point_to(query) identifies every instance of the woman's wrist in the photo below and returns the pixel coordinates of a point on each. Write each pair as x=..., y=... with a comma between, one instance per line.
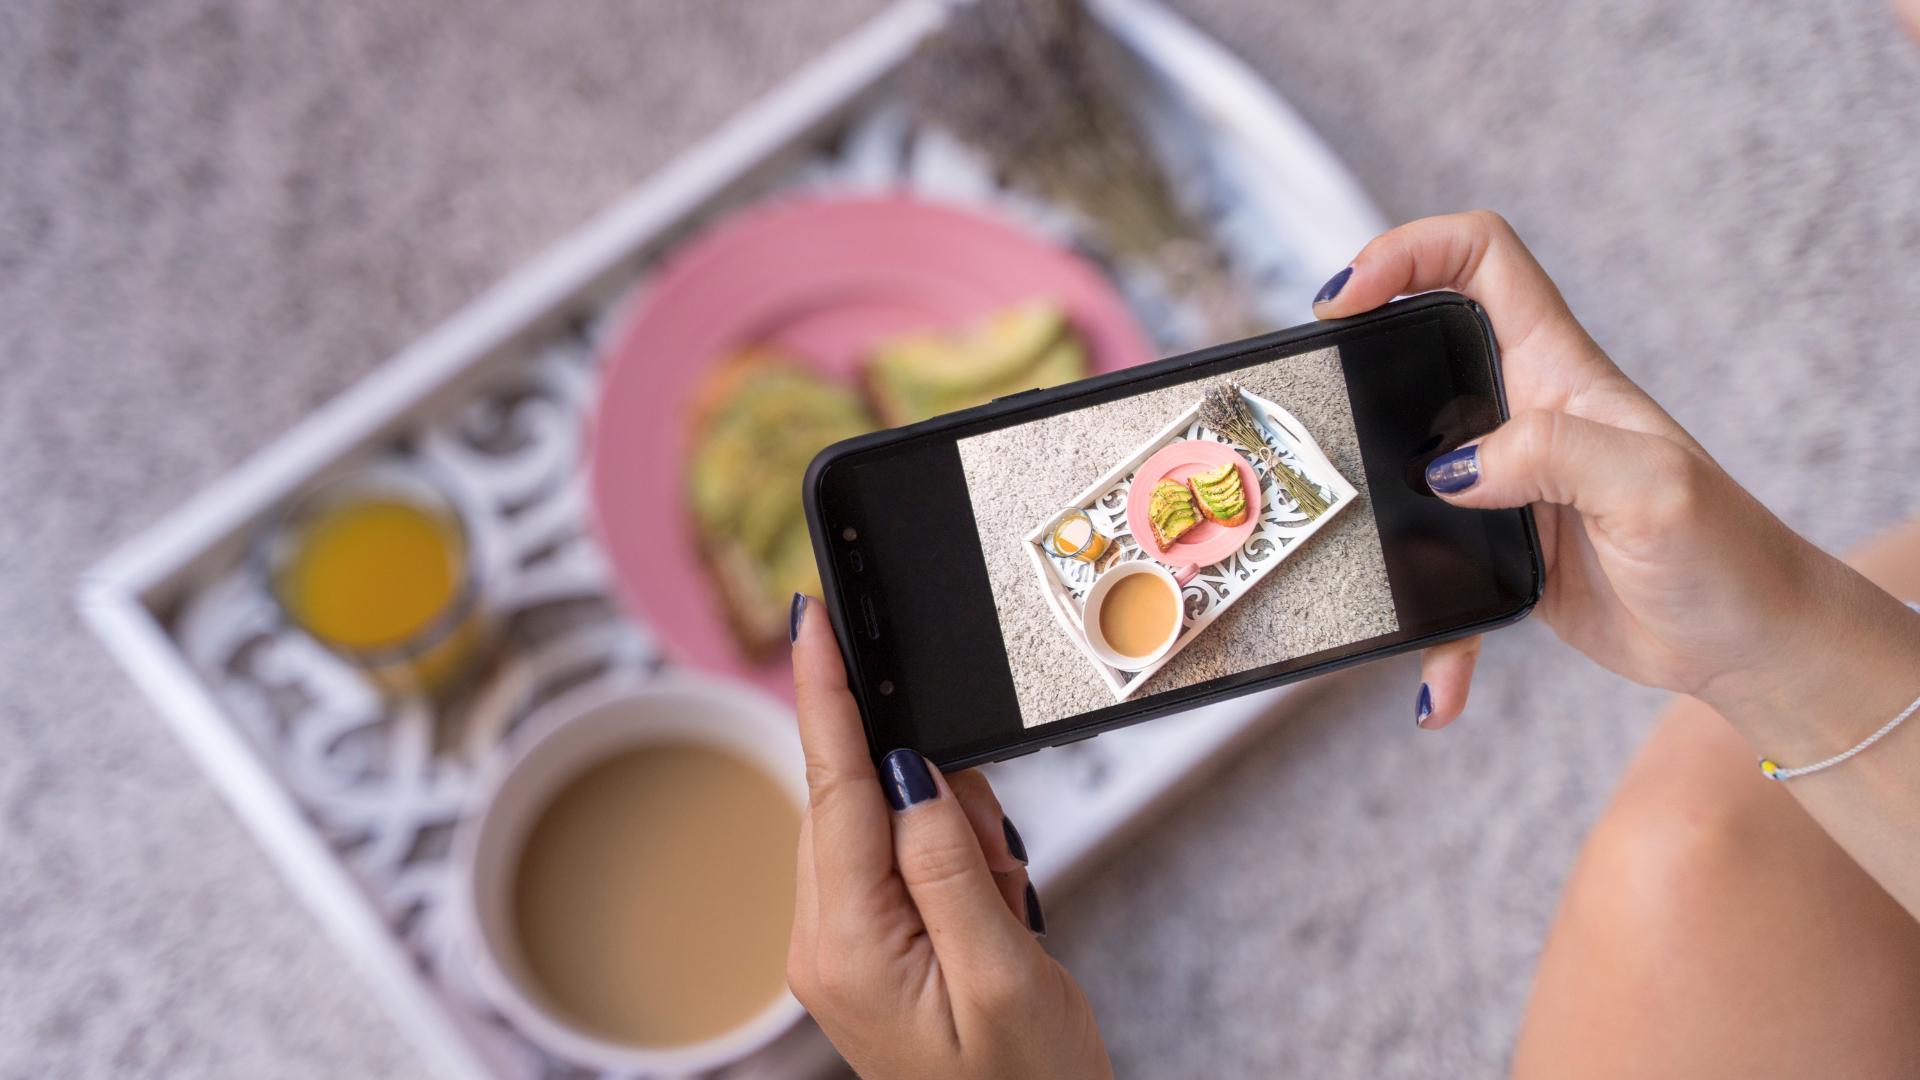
x=1848, y=660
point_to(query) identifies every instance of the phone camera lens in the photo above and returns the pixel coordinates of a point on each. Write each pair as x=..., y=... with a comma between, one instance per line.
x=885, y=688
x=849, y=534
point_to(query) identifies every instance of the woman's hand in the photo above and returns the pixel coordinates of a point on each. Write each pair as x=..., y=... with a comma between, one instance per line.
x=914, y=928
x=1659, y=565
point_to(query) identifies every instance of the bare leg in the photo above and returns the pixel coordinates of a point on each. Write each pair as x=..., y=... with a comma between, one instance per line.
x=1711, y=929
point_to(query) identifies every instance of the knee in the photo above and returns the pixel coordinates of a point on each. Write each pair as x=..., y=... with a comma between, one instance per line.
x=1664, y=860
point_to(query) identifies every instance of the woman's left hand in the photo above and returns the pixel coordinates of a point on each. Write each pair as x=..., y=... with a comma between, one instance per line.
x=915, y=930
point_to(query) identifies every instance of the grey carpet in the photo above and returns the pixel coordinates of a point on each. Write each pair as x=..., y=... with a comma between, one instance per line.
x=215, y=215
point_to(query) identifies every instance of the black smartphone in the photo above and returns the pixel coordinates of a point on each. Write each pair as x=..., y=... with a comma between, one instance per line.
x=963, y=599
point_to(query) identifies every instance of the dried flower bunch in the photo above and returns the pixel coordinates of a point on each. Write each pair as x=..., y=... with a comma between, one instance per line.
x=1225, y=411
x=1039, y=87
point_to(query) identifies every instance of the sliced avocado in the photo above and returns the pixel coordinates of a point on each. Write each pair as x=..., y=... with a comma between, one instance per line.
x=790, y=565
x=1218, y=492
x=1168, y=495
x=772, y=494
x=1005, y=344
x=1220, y=489
x=738, y=459
x=1176, y=525
x=772, y=404
x=1225, y=510
x=1171, y=509
x=777, y=413
x=765, y=511
x=1063, y=363
x=1224, y=480
x=1225, y=506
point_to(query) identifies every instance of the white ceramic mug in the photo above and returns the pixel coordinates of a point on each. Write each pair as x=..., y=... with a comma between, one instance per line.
x=1090, y=615
x=568, y=736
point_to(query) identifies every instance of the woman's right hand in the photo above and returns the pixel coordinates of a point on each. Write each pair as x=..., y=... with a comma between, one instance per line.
x=915, y=931
x=1659, y=565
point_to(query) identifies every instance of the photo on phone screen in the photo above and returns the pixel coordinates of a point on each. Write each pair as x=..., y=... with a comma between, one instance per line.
x=1039, y=570
x=1253, y=577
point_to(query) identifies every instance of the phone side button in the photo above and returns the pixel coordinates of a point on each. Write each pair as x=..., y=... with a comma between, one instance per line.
x=1071, y=739
x=1015, y=394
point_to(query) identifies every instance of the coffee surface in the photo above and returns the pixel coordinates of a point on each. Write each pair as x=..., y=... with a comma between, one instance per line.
x=1137, y=613
x=653, y=898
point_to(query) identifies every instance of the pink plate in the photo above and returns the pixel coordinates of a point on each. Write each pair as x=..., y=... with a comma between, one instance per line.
x=820, y=279
x=1208, y=542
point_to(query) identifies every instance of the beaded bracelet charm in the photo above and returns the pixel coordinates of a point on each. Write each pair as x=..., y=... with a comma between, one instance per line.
x=1773, y=770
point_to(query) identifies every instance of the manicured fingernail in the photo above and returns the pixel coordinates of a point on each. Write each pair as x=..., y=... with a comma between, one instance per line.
x=1455, y=470
x=1036, y=919
x=794, y=615
x=1423, y=706
x=907, y=779
x=1333, y=286
x=1015, y=846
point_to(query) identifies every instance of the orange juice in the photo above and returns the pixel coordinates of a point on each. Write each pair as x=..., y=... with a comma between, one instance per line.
x=372, y=575
x=1074, y=537
x=382, y=577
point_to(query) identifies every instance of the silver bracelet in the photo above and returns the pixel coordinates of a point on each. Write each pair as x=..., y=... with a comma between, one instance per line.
x=1773, y=770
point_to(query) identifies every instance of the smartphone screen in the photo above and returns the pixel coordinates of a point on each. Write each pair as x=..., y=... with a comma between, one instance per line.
x=1038, y=574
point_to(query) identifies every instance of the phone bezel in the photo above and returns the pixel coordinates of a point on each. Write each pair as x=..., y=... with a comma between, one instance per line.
x=1298, y=339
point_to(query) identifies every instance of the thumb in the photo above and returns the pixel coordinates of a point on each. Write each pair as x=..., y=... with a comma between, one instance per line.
x=973, y=933
x=1555, y=457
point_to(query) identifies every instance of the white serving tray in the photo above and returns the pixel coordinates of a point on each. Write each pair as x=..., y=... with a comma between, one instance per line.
x=1282, y=529
x=518, y=359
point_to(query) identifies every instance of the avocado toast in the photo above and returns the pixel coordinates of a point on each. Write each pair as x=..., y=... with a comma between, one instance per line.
x=1171, y=513
x=758, y=419
x=1219, y=495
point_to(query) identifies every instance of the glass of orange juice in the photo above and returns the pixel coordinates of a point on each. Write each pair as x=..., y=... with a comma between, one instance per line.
x=376, y=566
x=1075, y=536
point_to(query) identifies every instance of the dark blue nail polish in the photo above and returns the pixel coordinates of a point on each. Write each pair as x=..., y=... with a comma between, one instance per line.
x=1333, y=286
x=907, y=779
x=794, y=615
x=1455, y=470
x=1015, y=846
x=1036, y=919
x=1423, y=706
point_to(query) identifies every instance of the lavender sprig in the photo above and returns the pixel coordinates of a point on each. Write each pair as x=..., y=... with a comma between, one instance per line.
x=1041, y=89
x=1225, y=411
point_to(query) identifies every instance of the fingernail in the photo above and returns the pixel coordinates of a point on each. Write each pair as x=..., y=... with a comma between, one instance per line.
x=1455, y=470
x=794, y=615
x=908, y=781
x=1036, y=919
x=1333, y=286
x=1015, y=846
x=1423, y=706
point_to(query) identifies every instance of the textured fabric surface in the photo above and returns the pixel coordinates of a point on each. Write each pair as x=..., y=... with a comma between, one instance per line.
x=216, y=214
x=1332, y=592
